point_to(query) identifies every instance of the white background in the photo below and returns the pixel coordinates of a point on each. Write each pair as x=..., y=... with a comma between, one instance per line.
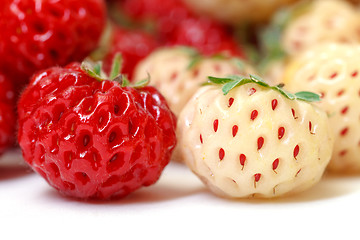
x=178, y=206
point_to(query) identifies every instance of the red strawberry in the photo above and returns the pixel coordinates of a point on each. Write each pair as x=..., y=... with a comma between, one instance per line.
x=165, y=14
x=134, y=45
x=94, y=138
x=177, y=25
x=205, y=35
x=39, y=34
x=7, y=114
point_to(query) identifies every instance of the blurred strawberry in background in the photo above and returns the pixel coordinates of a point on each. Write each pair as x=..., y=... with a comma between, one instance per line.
x=133, y=44
x=7, y=114
x=39, y=34
x=175, y=24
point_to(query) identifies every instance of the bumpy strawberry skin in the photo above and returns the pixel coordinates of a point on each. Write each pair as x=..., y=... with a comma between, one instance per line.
x=7, y=114
x=320, y=21
x=253, y=142
x=40, y=34
x=331, y=69
x=92, y=139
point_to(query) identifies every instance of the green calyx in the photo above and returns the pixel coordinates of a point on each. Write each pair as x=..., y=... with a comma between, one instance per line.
x=196, y=58
x=233, y=81
x=94, y=69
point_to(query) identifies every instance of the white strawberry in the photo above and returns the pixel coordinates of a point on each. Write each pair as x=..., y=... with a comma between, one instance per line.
x=177, y=72
x=322, y=21
x=333, y=70
x=244, y=138
x=303, y=25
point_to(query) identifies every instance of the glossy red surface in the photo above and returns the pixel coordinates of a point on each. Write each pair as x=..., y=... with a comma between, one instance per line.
x=176, y=24
x=7, y=114
x=94, y=139
x=40, y=34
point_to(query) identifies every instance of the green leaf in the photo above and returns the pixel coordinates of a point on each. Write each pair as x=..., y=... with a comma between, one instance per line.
x=216, y=80
x=230, y=85
x=258, y=79
x=97, y=68
x=92, y=69
x=194, y=61
x=142, y=83
x=229, y=82
x=116, y=66
x=284, y=93
x=196, y=57
x=236, y=77
x=122, y=80
x=205, y=83
x=239, y=63
x=218, y=56
x=189, y=50
x=232, y=81
x=307, y=96
x=125, y=81
x=193, y=54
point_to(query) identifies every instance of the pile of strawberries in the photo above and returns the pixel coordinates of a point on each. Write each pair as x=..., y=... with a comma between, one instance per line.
x=101, y=95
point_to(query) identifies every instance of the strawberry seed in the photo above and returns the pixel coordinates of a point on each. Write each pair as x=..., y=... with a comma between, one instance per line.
x=296, y=151
x=251, y=91
x=344, y=110
x=275, y=164
x=216, y=124
x=234, y=130
x=260, y=143
x=281, y=132
x=231, y=101
x=274, y=103
x=242, y=159
x=221, y=154
x=344, y=131
x=254, y=114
